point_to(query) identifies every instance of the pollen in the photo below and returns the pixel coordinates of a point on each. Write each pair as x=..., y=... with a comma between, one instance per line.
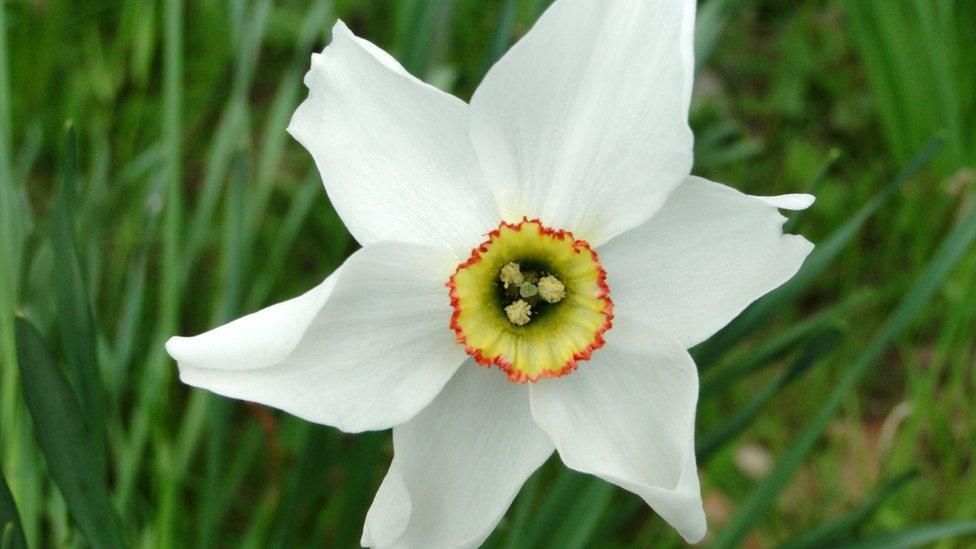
x=531, y=300
x=519, y=312
x=551, y=289
x=511, y=274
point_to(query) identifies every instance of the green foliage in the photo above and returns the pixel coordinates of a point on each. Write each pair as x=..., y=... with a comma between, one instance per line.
x=920, y=68
x=830, y=533
x=918, y=536
x=11, y=529
x=75, y=323
x=176, y=201
x=65, y=439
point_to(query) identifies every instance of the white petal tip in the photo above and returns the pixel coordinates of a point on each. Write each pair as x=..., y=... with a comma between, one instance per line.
x=177, y=347
x=341, y=27
x=794, y=202
x=696, y=533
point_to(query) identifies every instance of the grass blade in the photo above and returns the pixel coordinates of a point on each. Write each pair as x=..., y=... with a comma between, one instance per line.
x=12, y=529
x=501, y=39
x=823, y=256
x=913, y=537
x=67, y=446
x=315, y=454
x=561, y=501
x=580, y=522
x=952, y=249
x=831, y=533
x=716, y=439
x=818, y=179
x=715, y=380
x=75, y=323
x=157, y=371
x=520, y=512
x=712, y=18
x=287, y=233
x=9, y=259
x=318, y=18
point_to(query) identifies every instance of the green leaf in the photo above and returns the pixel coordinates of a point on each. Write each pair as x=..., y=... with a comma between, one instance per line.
x=913, y=537
x=797, y=217
x=319, y=17
x=218, y=419
x=952, y=249
x=712, y=18
x=716, y=439
x=10, y=246
x=64, y=440
x=75, y=323
x=520, y=513
x=830, y=533
x=424, y=29
x=567, y=497
x=578, y=524
x=816, y=264
x=12, y=529
x=314, y=456
x=779, y=344
x=502, y=37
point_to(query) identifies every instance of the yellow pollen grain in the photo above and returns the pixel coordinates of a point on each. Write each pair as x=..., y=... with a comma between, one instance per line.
x=511, y=274
x=519, y=313
x=551, y=289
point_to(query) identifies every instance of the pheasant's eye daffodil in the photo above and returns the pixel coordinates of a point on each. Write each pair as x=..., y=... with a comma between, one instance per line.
x=534, y=267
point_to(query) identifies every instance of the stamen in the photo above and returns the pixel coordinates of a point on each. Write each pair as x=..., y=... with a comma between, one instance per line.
x=519, y=313
x=511, y=274
x=551, y=289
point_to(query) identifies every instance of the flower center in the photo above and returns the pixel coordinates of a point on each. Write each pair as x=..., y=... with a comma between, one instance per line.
x=531, y=300
x=528, y=291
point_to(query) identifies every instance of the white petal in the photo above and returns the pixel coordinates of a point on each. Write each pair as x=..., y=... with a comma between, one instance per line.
x=255, y=341
x=389, y=515
x=393, y=151
x=794, y=202
x=372, y=356
x=583, y=123
x=458, y=465
x=628, y=417
x=709, y=253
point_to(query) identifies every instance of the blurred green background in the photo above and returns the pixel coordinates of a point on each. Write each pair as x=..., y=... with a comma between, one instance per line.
x=839, y=409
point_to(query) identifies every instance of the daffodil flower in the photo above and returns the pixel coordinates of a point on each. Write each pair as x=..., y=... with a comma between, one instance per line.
x=534, y=267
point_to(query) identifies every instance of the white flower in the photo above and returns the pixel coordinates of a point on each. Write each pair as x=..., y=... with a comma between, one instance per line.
x=508, y=225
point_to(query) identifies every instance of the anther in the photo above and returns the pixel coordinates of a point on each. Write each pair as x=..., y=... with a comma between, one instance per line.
x=511, y=274
x=519, y=313
x=551, y=289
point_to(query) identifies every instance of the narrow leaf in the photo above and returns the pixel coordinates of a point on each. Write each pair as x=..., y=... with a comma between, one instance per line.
x=818, y=179
x=314, y=456
x=952, y=249
x=913, y=537
x=520, y=512
x=779, y=344
x=75, y=323
x=65, y=441
x=712, y=18
x=724, y=433
x=579, y=523
x=832, y=532
x=561, y=501
x=12, y=529
x=823, y=256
